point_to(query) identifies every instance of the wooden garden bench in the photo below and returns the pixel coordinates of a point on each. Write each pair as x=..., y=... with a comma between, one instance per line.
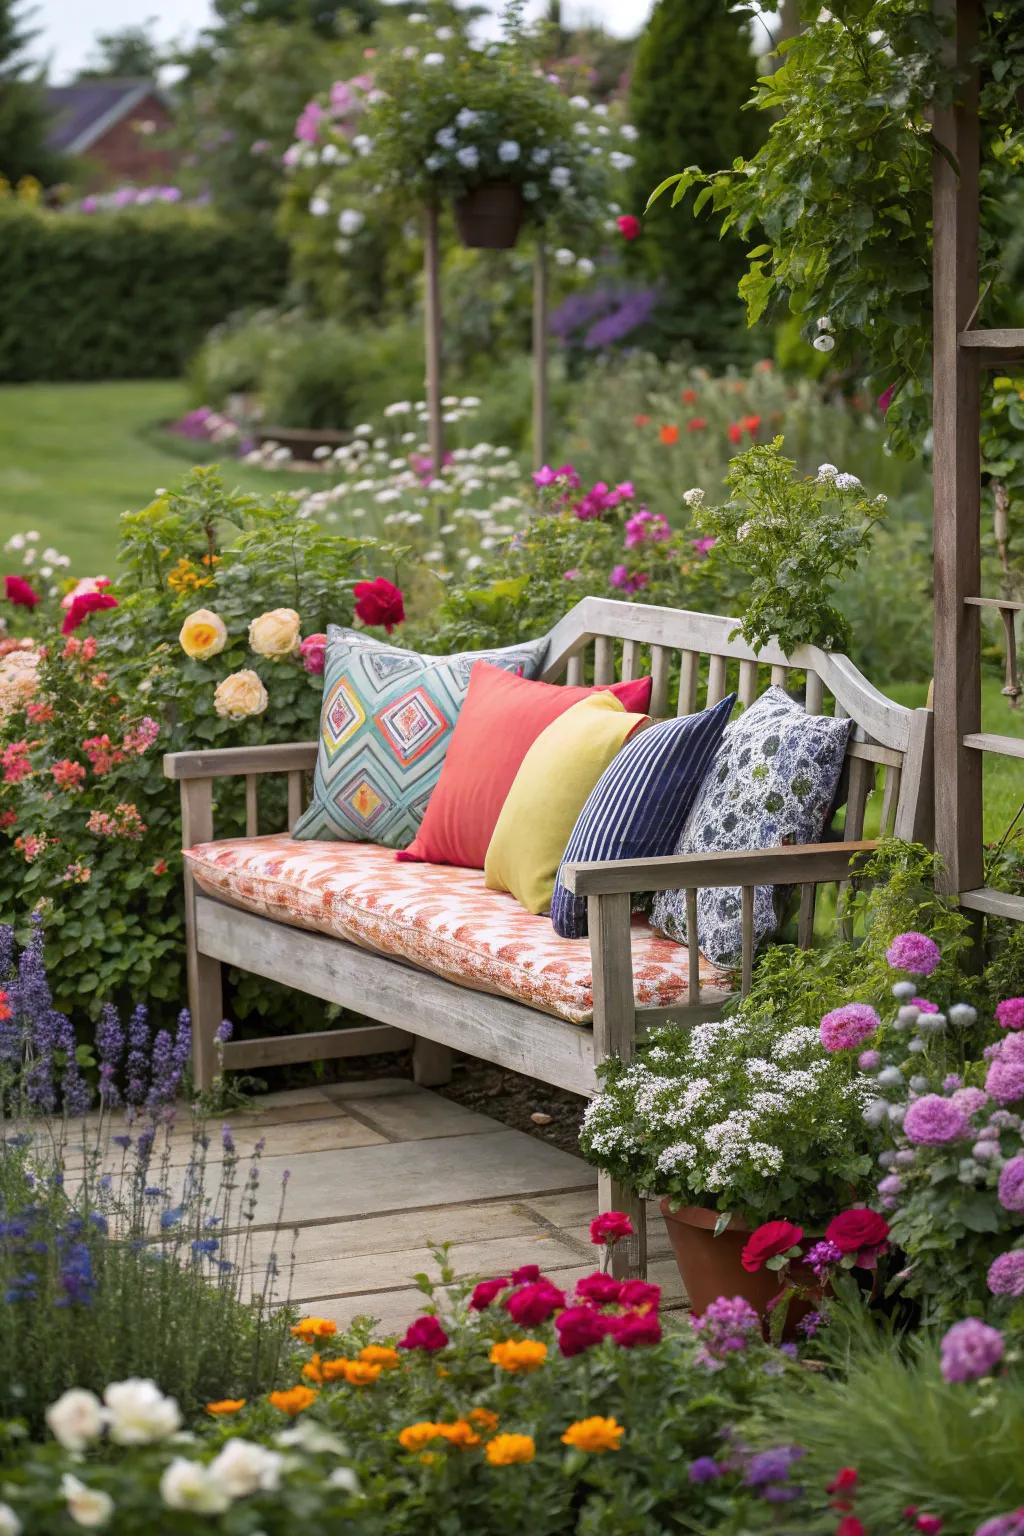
x=599, y=640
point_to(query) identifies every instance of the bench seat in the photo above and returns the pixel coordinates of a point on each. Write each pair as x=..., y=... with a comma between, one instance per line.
x=440, y=918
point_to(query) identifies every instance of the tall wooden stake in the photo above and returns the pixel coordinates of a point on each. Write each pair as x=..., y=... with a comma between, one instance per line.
x=957, y=464
x=432, y=322
x=540, y=356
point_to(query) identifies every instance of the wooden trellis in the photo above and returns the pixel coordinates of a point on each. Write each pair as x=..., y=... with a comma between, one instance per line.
x=962, y=351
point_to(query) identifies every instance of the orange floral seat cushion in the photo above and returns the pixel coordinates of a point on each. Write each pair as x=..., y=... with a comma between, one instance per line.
x=439, y=917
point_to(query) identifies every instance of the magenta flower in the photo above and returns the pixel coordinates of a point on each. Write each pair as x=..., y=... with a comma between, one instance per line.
x=307, y=127
x=913, y=952
x=1006, y=1274
x=704, y=546
x=313, y=650
x=544, y=476
x=970, y=1100
x=1011, y=1185
x=869, y=1061
x=933, y=1121
x=1010, y=1013
x=970, y=1349
x=572, y=575
x=923, y=1005
x=1010, y=1524
x=885, y=399
x=625, y=581
x=845, y=1028
x=1005, y=1078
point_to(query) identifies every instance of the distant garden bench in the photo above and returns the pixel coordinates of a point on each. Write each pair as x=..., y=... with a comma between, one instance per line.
x=597, y=641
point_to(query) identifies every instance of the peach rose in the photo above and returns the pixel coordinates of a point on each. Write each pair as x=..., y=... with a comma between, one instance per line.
x=240, y=695
x=275, y=634
x=203, y=634
x=19, y=680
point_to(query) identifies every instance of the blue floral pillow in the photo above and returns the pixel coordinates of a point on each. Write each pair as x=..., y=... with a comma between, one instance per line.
x=774, y=781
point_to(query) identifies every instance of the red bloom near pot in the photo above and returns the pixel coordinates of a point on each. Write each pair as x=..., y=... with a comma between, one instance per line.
x=712, y=1266
x=490, y=217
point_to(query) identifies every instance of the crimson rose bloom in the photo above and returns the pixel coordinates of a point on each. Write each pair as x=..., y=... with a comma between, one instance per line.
x=629, y=226
x=18, y=592
x=379, y=602
x=770, y=1239
x=854, y=1230
x=579, y=1329
x=635, y=1328
x=486, y=1291
x=526, y=1274
x=609, y=1227
x=599, y=1288
x=641, y=1295
x=534, y=1304
x=425, y=1333
x=86, y=603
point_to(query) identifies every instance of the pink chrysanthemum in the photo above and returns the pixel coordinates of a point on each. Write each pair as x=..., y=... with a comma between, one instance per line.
x=1006, y=1274
x=1010, y=1013
x=1005, y=1079
x=934, y=1121
x=970, y=1349
x=1011, y=1185
x=845, y=1028
x=913, y=952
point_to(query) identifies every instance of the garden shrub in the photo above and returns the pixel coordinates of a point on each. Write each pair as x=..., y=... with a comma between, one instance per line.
x=123, y=295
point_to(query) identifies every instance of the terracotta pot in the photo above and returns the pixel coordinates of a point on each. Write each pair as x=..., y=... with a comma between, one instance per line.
x=490, y=217
x=710, y=1266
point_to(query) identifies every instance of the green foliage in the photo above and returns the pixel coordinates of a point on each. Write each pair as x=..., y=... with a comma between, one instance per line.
x=693, y=72
x=791, y=538
x=127, y=52
x=24, y=120
x=123, y=295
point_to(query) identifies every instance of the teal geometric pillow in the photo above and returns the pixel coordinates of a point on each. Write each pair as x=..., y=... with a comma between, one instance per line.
x=385, y=723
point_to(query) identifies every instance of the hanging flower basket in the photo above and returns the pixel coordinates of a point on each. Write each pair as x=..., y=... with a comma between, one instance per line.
x=490, y=217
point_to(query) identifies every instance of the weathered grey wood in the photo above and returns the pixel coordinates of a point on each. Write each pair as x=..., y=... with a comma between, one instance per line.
x=1003, y=604
x=660, y=655
x=890, y=800
x=746, y=938
x=688, y=683
x=915, y=813
x=252, y=806
x=805, y=921
x=989, y=741
x=779, y=675
x=296, y=796
x=540, y=355
x=993, y=349
x=228, y=762
x=995, y=903
x=716, y=680
x=790, y=865
x=318, y=1045
x=748, y=683
x=861, y=781
x=205, y=987
x=871, y=752
x=574, y=670
x=630, y=659
x=432, y=333
x=382, y=988
x=692, y=948
x=814, y=695
x=604, y=659
x=956, y=420
x=431, y=1063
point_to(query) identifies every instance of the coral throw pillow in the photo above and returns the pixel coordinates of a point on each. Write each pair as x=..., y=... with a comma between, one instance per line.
x=501, y=719
x=385, y=723
x=548, y=793
x=637, y=808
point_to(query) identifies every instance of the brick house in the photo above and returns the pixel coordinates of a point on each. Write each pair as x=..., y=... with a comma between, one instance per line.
x=118, y=127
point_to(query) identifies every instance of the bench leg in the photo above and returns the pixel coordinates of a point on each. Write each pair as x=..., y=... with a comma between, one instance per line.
x=431, y=1063
x=206, y=1004
x=629, y=1256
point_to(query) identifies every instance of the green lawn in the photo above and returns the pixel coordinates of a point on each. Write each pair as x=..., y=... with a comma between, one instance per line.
x=73, y=457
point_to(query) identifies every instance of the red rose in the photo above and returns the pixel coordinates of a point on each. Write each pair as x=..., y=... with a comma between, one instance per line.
x=931, y=1525
x=579, y=1329
x=735, y=432
x=751, y=424
x=485, y=1292
x=534, y=1304
x=629, y=226
x=18, y=592
x=844, y=1480
x=526, y=1274
x=849, y=1525
x=860, y=1228
x=84, y=604
x=640, y=1295
x=379, y=602
x=425, y=1333
x=599, y=1288
x=770, y=1239
x=696, y=424
x=636, y=1328
x=609, y=1227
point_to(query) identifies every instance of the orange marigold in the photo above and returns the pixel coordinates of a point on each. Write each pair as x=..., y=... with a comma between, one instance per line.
x=360, y=1373
x=507, y=1450
x=519, y=1354
x=460, y=1433
x=313, y=1370
x=380, y=1354
x=483, y=1418
x=669, y=435
x=415, y=1436
x=292, y=1401
x=595, y=1435
x=225, y=1406
x=309, y=1328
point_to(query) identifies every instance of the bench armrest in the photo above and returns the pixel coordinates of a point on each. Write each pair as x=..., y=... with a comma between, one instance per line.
x=794, y=864
x=229, y=762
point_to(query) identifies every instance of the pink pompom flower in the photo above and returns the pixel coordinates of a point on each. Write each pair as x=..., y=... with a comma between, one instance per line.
x=845, y=1028
x=933, y=1121
x=1010, y=1013
x=913, y=952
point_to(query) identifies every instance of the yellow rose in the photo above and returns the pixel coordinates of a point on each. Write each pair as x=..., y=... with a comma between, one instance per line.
x=240, y=695
x=203, y=634
x=276, y=633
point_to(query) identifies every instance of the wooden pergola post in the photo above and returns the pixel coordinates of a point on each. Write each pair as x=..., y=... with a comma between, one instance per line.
x=432, y=325
x=540, y=355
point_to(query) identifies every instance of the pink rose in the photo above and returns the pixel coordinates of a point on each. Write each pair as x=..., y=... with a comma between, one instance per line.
x=313, y=650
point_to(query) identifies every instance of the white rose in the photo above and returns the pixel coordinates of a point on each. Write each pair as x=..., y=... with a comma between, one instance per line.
x=585, y=267
x=10, y=1525
x=189, y=1485
x=344, y=1477
x=318, y=206
x=86, y=1506
x=275, y=634
x=508, y=151
x=351, y=221
x=75, y=1419
x=243, y=1467
x=138, y=1412
x=561, y=177
x=433, y=59
x=564, y=257
x=240, y=696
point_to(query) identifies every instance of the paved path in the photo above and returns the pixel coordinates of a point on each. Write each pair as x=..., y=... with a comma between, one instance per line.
x=381, y=1170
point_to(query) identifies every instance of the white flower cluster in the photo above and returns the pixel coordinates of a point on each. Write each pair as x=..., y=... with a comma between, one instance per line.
x=47, y=563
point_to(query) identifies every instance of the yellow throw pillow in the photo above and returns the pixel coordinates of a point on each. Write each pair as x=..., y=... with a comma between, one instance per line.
x=547, y=795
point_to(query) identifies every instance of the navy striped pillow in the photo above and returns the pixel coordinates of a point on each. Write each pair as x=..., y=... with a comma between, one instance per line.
x=637, y=807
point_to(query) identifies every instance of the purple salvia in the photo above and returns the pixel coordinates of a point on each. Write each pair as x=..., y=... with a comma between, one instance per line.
x=227, y=1141
x=74, y=1088
x=137, y=1065
x=6, y=950
x=183, y=1042
x=225, y=1029
x=109, y=1049
x=163, y=1081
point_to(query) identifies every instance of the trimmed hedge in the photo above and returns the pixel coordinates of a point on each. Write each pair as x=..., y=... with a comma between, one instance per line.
x=124, y=295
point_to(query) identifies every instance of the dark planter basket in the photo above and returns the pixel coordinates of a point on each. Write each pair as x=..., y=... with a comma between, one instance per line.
x=490, y=217
x=710, y=1266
